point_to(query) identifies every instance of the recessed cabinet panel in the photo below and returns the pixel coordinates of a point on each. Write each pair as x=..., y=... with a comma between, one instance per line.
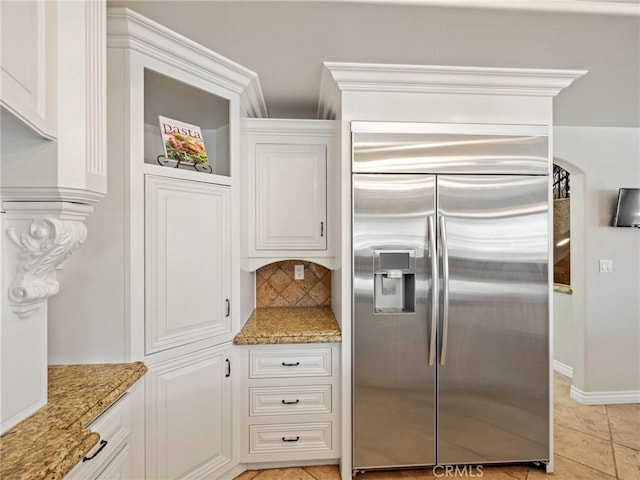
x=291, y=205
x=187, y=262
x=28, y=75
x=188, y=424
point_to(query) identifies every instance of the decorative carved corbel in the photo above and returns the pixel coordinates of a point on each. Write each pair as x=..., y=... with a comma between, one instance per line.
x=49, y=242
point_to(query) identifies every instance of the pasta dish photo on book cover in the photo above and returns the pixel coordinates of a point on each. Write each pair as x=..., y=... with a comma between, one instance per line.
x=182, y=142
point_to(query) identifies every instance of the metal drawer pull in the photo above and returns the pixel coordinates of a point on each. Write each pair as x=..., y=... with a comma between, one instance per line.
x=228, y=305
x=286, y=402
x=284, y=364
x=285, y=439
x=103, y=443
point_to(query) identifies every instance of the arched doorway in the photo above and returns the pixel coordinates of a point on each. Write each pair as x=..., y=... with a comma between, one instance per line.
x=569, y=298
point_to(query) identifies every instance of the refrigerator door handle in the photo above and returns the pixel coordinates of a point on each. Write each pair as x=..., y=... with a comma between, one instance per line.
x=445, y=289
x=434, y=289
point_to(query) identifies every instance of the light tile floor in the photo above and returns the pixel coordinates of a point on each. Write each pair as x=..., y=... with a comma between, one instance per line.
x=599, y=442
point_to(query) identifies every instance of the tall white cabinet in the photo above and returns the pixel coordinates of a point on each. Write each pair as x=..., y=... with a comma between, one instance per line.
x=164, y=248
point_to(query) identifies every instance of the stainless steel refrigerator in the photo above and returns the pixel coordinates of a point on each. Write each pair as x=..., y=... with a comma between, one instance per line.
x=450, y=294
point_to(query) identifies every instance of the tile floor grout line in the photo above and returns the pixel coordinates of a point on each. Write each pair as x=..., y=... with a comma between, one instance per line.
x=613, y=450
x=307, y=471
x=587, y=466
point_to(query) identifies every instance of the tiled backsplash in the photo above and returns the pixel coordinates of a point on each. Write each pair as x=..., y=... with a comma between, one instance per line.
x=276, y=287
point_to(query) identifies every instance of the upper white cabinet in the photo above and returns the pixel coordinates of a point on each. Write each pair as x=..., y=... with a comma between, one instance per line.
x=287, y=192
x=28, y=30
x=187, y=267
x=291, y=196
x=53, y=136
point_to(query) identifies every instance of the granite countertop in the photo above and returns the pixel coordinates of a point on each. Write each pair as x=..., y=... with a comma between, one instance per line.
x=269, y=325
x=49, y=443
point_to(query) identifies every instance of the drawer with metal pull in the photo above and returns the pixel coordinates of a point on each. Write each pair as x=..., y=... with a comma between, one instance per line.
x=294, y=437
x=289, y=363
x=289, y=400
x=113, y=426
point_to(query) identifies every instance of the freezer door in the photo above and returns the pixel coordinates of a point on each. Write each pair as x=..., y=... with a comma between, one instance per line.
x=493, y=372
x=393, y=383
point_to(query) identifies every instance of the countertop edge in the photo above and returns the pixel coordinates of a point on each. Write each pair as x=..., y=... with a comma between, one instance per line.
x=112, y=396
x=289, y=339
x=74, y=440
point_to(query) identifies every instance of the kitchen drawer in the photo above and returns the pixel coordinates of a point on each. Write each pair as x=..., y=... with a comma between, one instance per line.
x=293, y=437
x=289, y=400
x=290, y=363
x=113, y=426
x=117, y=468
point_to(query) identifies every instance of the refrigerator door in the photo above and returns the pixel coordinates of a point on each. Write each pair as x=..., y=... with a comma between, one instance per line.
x=394, y=259
x=493, y=362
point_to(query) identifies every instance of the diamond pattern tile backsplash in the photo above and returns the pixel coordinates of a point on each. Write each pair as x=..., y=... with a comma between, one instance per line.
x=276, y=287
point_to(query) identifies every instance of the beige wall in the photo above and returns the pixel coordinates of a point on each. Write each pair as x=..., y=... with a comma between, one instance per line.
x=604, y=346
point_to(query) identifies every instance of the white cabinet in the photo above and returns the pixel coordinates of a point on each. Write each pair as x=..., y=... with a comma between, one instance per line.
x=118, y=452
x=288, y=192
x=290, y=403
x=291, y=196
x=29, y=71
x=189, y=433
x=163, y=247
x=188, y=266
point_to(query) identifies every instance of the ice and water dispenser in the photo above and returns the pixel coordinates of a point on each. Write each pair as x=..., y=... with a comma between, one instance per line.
x=395, y=282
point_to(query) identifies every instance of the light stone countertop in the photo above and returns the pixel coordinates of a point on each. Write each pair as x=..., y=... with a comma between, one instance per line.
x=49, y=443
x=276, y=325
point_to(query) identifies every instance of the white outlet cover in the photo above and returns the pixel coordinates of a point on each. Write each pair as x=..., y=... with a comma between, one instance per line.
x=606, y=266
x=298, y=272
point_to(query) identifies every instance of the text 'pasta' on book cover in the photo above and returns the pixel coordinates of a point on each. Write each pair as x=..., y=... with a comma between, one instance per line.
x=182, y=141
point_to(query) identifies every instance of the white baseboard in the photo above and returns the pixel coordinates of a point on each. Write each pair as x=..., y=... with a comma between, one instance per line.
x=604, y=398
x=563, y=368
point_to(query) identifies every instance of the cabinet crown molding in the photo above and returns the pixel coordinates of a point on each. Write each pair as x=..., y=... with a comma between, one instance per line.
x=43, y=195
x=128, y=29
x=434, y=79
x=371, y=77
x=288, y=127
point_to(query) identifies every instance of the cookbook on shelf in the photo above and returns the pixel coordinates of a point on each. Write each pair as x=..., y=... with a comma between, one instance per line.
x=182, y=142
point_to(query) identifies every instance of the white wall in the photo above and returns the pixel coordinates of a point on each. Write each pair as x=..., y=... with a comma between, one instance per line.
x=607, y=337
x=564, y=330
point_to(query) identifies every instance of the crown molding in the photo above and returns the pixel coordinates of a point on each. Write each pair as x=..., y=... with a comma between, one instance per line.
x=370, y=77
x=605, y=7
x=289, y=127
x=128, y=29
x=50, y=194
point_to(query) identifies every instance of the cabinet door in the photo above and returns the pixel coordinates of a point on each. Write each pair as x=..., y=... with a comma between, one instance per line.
x=189, y=416
x=187, y=262
x=28, y=70
x=291, y=204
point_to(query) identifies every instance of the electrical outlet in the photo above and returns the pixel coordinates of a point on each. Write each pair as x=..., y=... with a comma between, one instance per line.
x=298, y=272
x=606, y=266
